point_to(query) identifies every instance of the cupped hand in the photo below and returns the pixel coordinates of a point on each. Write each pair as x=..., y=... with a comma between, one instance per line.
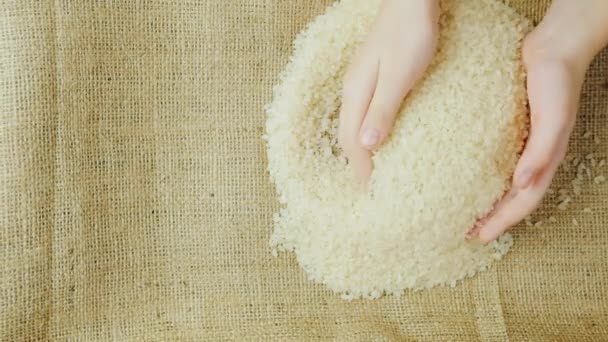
x=398, y=50
x=556, y=56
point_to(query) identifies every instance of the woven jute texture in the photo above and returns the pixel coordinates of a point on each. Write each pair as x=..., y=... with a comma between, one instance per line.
x=135, y=205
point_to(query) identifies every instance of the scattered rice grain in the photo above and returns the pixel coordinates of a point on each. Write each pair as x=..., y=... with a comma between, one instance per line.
x=563, y=205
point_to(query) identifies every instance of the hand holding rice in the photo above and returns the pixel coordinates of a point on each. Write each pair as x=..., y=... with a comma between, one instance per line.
x=454, y=147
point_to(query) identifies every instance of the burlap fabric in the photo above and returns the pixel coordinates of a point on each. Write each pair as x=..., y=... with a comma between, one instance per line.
x=134, y=202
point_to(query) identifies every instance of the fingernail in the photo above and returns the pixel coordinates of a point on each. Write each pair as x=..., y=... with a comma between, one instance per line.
x=473, y=231
x=525, y=179
x=370, y=137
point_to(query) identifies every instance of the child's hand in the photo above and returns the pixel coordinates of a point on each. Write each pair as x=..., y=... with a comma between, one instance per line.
x=556, y=56
x=396, y=54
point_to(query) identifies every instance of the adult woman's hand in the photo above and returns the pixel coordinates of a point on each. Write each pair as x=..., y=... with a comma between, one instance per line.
x=556, y=56
x=396, y=54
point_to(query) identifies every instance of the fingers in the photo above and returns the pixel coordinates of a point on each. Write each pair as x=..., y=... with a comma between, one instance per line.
x=358, y=89
x=556, y=64
x=553, y=94
x=516, y=205
x=393, y=84
x=553, y=108
x=398, y=49
x=372, y=96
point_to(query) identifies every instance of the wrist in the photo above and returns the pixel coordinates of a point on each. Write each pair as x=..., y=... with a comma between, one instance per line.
x=574, y=30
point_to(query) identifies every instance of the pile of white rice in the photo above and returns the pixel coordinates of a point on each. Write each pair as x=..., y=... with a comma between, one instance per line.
x=450, y=157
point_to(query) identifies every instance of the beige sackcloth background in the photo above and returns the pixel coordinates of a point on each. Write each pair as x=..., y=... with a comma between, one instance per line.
x=135, y=205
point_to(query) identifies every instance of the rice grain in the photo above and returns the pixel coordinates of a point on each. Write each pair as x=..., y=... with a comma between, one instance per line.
x=449, y=158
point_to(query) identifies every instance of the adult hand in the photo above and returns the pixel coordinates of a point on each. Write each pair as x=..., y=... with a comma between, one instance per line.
x=556, y=56
x=394, y=57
